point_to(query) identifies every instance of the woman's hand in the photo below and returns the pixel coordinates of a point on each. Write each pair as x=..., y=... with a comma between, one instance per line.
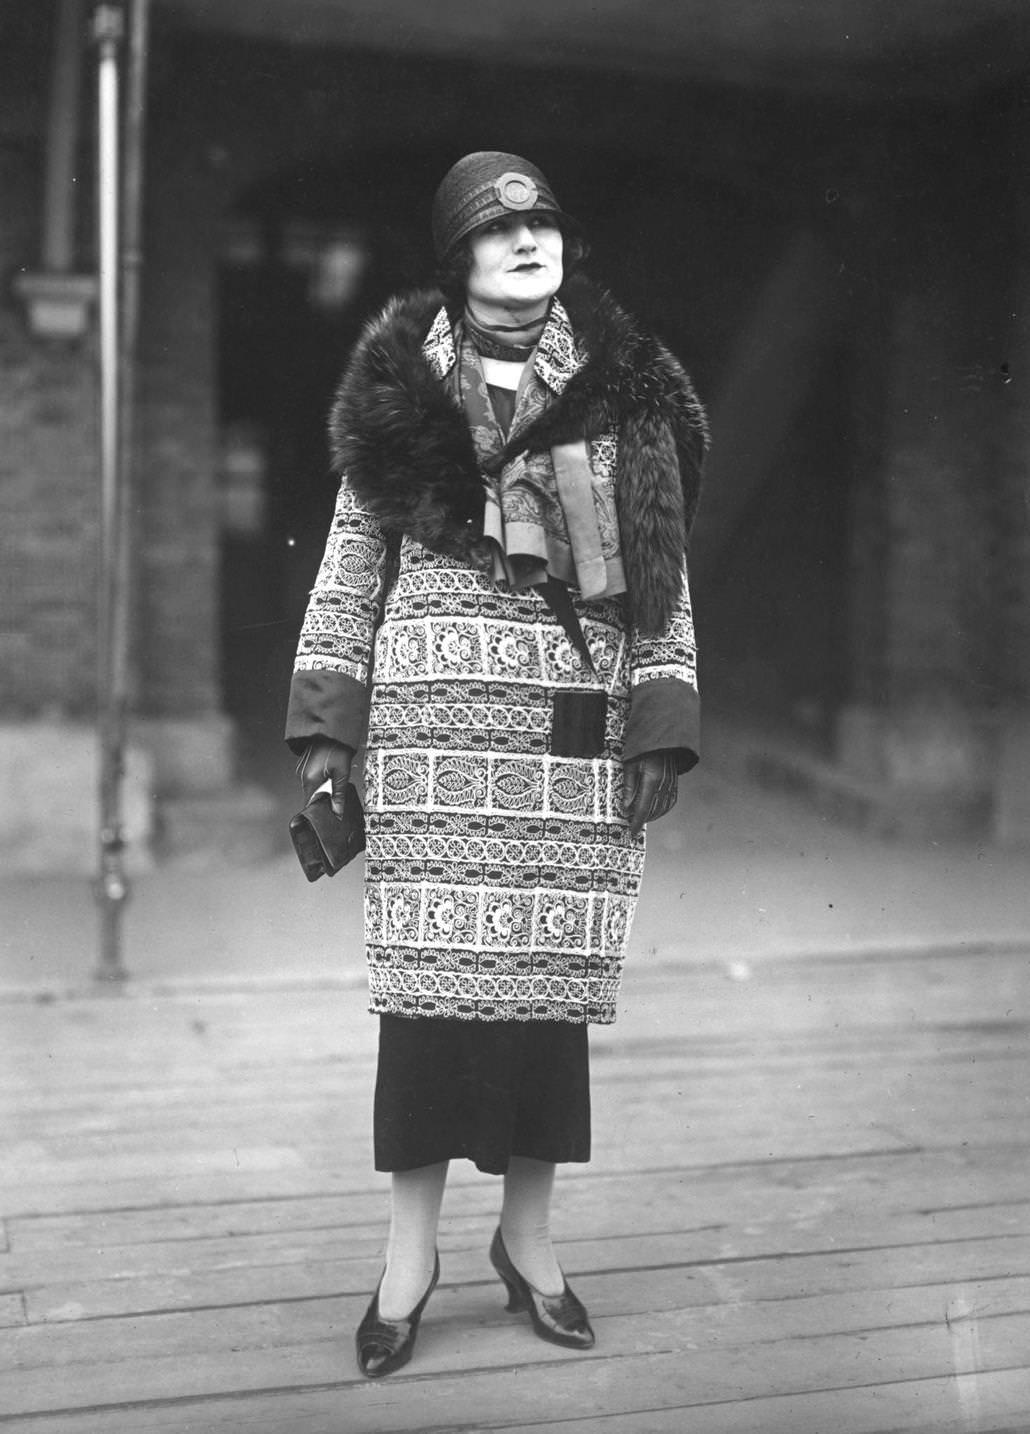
x=326, y=760
x=650, y=788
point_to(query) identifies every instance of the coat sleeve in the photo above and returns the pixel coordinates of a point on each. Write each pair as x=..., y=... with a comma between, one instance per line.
x=332, y=672
x=664, y=712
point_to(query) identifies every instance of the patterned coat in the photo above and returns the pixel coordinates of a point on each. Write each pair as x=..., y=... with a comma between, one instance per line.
x=500, y=882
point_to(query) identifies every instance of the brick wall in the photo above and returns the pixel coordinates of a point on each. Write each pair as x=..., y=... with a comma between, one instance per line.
x=945, y=408
x=48, y=474
x=1013, y=516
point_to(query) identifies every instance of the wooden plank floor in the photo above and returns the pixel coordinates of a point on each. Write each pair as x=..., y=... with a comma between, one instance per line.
x=807, y=1213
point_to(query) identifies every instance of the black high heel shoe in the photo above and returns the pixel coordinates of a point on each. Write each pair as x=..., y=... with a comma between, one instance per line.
x=562, y=1319
x=386, y=1344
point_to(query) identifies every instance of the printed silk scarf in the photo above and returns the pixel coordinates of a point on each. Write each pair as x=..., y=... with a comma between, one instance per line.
x=546, y=512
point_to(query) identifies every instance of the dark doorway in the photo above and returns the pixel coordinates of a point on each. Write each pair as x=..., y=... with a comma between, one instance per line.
x=306, y=257
x=776, y=619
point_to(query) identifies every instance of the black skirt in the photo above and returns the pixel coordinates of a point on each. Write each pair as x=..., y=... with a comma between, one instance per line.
x=480, y=1090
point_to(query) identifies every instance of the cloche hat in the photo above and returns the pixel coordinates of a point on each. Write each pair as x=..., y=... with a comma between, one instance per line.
x=488, y=185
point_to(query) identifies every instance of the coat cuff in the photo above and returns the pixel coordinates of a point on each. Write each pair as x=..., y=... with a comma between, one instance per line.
x=326, y=704
x=664, y=715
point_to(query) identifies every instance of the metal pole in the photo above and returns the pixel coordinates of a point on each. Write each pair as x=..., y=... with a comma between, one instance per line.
x=132, y=247
x=112, y=886
x=131, y=271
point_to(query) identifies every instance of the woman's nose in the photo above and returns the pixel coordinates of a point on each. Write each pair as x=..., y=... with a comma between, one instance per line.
x=524, y=237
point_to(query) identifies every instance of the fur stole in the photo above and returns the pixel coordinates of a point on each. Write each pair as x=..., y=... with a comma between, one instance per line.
x=407, y=452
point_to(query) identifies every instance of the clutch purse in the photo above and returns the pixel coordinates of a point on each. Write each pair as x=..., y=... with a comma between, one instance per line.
x=323, y=841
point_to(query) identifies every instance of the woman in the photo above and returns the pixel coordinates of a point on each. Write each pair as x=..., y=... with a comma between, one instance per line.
x=503, y=599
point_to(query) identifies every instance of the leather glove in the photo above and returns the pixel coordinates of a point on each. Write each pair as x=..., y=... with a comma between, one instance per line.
x=650, y=788
x=325, y=759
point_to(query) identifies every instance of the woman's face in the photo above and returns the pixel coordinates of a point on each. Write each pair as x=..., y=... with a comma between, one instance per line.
x=516, y=261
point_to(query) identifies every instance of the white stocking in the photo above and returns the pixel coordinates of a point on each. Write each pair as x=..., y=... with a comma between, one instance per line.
x=526, y=1223
x=415, y=1200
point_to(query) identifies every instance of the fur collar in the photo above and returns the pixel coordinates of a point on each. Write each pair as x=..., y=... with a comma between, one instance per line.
x=408, y=454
